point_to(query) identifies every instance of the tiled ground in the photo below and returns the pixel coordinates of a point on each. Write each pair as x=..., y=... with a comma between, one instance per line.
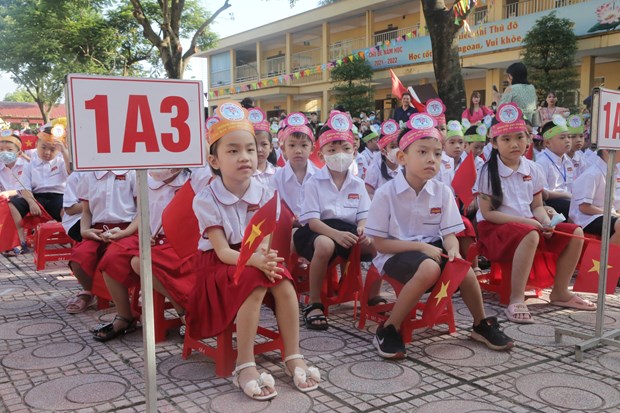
x=49, y=362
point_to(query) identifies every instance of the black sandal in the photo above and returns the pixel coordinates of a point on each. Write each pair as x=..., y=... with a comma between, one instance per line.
x=377, y=300
x=107, y=332
x=310, y=321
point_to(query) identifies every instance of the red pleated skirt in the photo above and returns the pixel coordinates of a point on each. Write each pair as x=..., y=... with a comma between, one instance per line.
x=216, y=300
x=469, y=231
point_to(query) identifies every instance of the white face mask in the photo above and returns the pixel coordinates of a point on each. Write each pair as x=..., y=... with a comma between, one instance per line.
x=7, y=157
x=339, y=162
x=391, y=155
x=161, y=174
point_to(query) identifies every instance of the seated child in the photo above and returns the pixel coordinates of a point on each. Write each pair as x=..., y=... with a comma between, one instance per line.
x=411, y=218
x=333, y=213
x=556, y=164
x=12, y=164
x=371, y=142
x=513, y=223
x=475, y=137
x=43, y=180
x=586, y=207
x=224, y=208
x=108, y=209
x=72, y=208
x=387, y=168
x=265, y=170
x=575, y=133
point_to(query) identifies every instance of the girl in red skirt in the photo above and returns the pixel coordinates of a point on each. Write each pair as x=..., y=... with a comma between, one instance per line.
x=173, y=276
x=224, y=208
x=513, y=223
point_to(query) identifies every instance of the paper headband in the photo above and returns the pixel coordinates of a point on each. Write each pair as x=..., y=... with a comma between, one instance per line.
x=389, y=133
x=559, y=127
x=296, y=123
x=259, y=120
x=575, y=125
x=510, y=120
x=479, y=136
x=436, y=109
x=340, y=129
x=454, y=129
x=229, y=117
x=420, y=125
x=9, y=136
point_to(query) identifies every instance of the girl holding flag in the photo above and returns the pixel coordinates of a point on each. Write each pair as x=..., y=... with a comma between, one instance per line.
x=224, y=209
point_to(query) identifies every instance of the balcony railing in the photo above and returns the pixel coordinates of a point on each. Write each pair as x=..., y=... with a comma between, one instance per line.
x=220, y=78
x=315, y=77
x=477, y=17
x=393, y=34
x=344, y=48
x=304, y=60
x=246, y=73
x=523, y=7
x=274, y=66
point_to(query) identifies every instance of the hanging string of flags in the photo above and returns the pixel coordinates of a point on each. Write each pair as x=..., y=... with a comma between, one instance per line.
x=285, y=79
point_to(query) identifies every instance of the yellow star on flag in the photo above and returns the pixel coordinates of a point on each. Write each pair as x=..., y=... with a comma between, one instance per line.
x=256, y=231
x=443, y=292
x=596, y=267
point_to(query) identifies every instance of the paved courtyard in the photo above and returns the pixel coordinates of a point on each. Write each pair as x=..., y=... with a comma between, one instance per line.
x=49, y=362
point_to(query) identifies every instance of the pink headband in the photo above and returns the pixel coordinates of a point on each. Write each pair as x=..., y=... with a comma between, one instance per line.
x=437, y=109
x=333, y=136
x=259, y=120
x=296, y=123
x=510, y=120
x=420, y=125
x=389, y=133
x=340, y=129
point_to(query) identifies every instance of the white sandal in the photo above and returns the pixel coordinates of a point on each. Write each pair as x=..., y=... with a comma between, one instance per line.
x=301, y=376
x=253, y=388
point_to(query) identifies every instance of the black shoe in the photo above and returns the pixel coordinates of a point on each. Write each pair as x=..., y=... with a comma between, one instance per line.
x=389, y=343
x=488, y=332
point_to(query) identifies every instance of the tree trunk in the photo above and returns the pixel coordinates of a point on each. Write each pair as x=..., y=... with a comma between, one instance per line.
x=45, y=113
x=446, y=59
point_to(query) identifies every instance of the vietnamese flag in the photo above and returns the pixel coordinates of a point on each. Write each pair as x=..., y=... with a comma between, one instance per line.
x=31, y=221
x=464, y=180
x=314, y=157
x=28, y=141
x=451, y=277
x=180, y=223
x=8, y=231
x=529, y=154
x=589, y=270
x=281, y=162
x=397, y=87
x=262, y=223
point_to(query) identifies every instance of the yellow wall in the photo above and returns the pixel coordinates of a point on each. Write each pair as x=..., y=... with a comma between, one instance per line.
x=408, y=21
x=611, y=73
x=359, y=31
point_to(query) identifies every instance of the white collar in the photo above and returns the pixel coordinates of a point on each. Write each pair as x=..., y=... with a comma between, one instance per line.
x=177, y=182
x=100, y=174
x=505, y=172
x=289, y=174
x=252, y=196
x=555, y=158
x=401, y=185
x=324, y=174
x=269, y=170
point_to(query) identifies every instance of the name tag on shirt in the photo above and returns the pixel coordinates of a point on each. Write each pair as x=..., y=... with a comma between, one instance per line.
x=436, y=210
x=354, y=196
x=252, y=208
x=120, y=178
x=527, y=178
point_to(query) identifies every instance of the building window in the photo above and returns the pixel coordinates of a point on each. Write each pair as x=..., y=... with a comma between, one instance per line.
x=220, y=70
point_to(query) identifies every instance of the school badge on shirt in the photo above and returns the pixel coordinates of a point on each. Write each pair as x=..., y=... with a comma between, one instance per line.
x=436, y=210
x=353, y=196
x=527, y=178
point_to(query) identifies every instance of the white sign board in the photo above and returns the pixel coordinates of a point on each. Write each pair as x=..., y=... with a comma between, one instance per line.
x=608, y=129
x=133, y=123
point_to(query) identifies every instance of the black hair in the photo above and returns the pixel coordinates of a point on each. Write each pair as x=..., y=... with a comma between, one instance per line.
x=213, y=151
x=548, y=125
x=492, y=169
x=272, y=158
x=384, y=171
x=551, y=92
x=301, y=135
x=340, y=108
x=518, y=71
x=405, y=94
x=247, y=103
x=472, y=130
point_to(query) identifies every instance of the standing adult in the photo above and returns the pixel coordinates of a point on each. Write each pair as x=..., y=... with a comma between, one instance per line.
x=25, y=127
x=403, y=112
x=519, y=91
x=549, y=109
x=475, y=112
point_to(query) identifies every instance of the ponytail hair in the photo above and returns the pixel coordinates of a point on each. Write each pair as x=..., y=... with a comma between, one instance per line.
x=497, y=196
x=384, y=171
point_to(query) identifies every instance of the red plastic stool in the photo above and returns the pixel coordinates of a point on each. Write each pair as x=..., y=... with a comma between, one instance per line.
x=160, y=305
x=50, y=233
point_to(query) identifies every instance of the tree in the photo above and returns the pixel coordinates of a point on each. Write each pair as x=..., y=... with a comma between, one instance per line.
x=443, y=29
x=353, y=89
x=549, y=54
x=19, y=95
x=166, y=22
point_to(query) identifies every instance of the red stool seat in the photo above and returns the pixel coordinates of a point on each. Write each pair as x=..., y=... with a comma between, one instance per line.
x=160, y=306
x=46, y=234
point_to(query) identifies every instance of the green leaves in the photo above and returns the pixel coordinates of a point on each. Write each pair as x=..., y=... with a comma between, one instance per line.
x=353, y=89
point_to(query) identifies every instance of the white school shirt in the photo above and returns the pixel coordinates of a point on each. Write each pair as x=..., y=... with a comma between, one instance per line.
x=398, y=212
x=486, y=151
x=200, y=177
x=10, y=177
x=518, y=187
x=579, y=164
x=160, y=195
x=323, y=200
x=589, y=188
x=558, y=171
x=215, y=206
x=267, y=175
x=45, y=176
x=446, y=170
x=289, y=188
x=69, y=199
x=371, y=156
x=375, y=179
x=361, y=166
x=110, y=195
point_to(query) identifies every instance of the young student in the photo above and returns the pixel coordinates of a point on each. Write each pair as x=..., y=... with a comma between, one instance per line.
x=413, y=219
x=108, y=209
x=587, y=204
x=11, y=163
x=43, y=180
x=575, y=133
x=72, y=208
x=333, y=214
x=557, y=165
x=224, y=209
x=512, y=221
x=360, y=166
x=289, y=181
x=538, y=142
x=371, y=141
x=381, y=172
x=173, y=276
x=265, y=170
x=475, y=137
x=437, y=109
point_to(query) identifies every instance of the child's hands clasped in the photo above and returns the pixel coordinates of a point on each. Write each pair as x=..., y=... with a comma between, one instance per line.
x=346, y=239
x=92, y=233
x=268, y=264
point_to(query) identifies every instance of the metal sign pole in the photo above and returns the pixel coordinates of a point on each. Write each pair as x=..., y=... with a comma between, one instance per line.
x=599, y=337
x=146, y=273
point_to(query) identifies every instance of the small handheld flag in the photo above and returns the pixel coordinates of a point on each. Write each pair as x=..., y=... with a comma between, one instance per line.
x=180, y=223
x=451, y=277
x=590, y=268
x=464, y=180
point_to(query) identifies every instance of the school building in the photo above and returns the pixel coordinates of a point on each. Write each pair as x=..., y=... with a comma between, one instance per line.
x=285, y=65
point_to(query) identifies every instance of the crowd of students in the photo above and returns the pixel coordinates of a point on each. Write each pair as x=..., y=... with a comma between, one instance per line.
x=394, y=198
